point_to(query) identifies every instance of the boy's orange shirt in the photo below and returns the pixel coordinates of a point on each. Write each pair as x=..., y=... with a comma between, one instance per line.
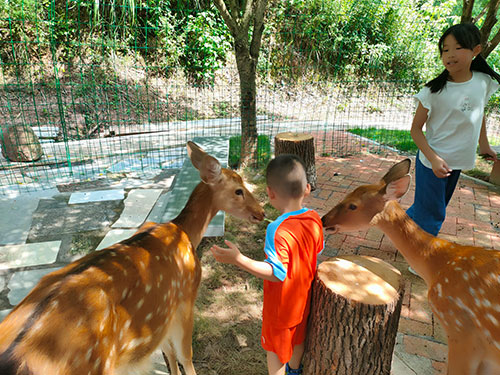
x=293, y=242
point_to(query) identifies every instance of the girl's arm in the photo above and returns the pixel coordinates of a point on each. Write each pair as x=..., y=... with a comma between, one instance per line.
x=439, y=166
x=484, y=145
x=232, y=255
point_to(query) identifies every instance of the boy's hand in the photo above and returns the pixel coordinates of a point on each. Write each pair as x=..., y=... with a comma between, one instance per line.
x=440, y=168
x=226, y=255
x=489, y=155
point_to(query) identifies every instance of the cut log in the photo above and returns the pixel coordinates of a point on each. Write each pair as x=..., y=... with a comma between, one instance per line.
x=355, y=309
x=299, y=144
x=20, y=143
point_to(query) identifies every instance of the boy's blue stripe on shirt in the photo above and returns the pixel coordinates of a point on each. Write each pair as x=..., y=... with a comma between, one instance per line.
x=279, y=269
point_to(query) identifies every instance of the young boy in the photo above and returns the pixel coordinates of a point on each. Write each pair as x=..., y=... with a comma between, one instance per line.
x=292, y=244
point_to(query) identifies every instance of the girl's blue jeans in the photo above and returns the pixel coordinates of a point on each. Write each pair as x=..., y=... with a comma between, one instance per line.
x=432, y=195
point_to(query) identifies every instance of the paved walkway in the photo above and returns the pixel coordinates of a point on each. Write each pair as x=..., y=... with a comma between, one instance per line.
x=473, y=218
x=50, y=228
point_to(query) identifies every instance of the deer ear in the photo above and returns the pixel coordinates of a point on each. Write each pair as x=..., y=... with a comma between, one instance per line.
x=397, y=171
x=208, y=166
x=396, y=189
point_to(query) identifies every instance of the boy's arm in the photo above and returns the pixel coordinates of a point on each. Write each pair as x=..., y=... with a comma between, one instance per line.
x=232, y=255
x=484, y=145
x=439, y=166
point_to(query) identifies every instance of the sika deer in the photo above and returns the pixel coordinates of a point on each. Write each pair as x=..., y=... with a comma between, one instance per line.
x=463, y=281
x=107, y=312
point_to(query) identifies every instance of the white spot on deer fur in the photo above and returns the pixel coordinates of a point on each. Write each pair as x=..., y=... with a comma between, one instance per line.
x=148, y=288
x=465, y=275
x=88, y=355
x=496, y=307
x=107, y=365
x=164, y=297
x=137, y=283
x=124, y=293
x=439, y=290
x=492, y=319
x=110, y=278
x=97, y=363
x=453, y=263
x=459, y=323
x=157, y=257
x=486, y=303
x=446, y=280
x=125, y=272
x=140, y=303
x=149, y=317
x=497, y=344
x=458, y=269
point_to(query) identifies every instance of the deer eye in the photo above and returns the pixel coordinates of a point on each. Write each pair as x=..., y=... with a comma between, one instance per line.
x=239, y=192
x=352, y=206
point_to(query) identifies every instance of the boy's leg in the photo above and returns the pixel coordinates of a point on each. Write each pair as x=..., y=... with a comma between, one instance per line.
x=298, y=352
x=274, y=365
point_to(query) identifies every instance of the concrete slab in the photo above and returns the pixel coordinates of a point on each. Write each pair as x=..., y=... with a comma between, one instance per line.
x=16, y=217
x=96, y=196
x=159, y=208
x=54, y=217
x=30, y=254
x=2, y=283
x=114, y=236
x=4, y=313
x=189, y=177
x=22, y=282
x=138, y=205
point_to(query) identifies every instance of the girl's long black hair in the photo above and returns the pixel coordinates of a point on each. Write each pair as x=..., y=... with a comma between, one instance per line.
x=468, y=36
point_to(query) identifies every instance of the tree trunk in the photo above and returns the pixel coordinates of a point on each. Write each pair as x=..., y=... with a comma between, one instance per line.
x=302, y=145
x=355, y=309
x=248, y=107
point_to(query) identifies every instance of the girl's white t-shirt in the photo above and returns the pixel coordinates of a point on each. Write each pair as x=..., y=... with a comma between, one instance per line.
x=455, y=117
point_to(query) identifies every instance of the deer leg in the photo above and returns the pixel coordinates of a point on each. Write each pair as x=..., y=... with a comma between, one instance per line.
x=464, y=355
x=181, y=336
x=169, y=357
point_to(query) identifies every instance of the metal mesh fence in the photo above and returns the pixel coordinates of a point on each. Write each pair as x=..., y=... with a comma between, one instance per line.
x=120, y=87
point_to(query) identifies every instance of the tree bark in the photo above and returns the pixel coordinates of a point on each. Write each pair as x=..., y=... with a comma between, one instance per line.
x=239, y=17
x=355, y=308
x=467, y=11
x=302, y=145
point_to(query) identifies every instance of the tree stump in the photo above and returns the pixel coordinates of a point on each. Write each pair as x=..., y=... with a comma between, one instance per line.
x=355, y=309
x=299, y=144
x=20, y=143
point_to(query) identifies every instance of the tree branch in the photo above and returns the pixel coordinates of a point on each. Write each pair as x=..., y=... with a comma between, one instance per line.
x=480, y=15
x=489, y=22
x=247, y=14
x=260, y=10
x=467, y=11
x=228, y=18
x=491, y=45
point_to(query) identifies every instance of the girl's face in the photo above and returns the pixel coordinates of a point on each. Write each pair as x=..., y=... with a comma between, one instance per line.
x=457, y=59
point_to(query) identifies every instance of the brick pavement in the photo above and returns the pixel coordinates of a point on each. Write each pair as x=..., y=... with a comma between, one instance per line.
x=473, y=218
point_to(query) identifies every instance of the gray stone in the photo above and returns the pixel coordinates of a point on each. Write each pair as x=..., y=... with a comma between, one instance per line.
x=16, y=215
x=30, y=254
x=4, y=313
x=138, y=205
x=114, y=236
x=20, y=143
x=96, y=196
x=22, y=282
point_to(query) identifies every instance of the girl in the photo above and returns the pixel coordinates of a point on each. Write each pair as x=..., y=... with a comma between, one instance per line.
x=452, y=107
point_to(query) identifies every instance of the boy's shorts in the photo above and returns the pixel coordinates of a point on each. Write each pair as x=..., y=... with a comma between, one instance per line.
x=282, y=340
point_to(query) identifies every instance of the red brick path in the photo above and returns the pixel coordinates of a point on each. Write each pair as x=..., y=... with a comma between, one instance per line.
x=473, y=218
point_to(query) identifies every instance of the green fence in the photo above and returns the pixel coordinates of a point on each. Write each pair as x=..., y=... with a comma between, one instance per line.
x=119, y=87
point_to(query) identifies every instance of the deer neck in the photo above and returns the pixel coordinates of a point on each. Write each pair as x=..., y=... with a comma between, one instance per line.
x=197, y=214
x=425, y=253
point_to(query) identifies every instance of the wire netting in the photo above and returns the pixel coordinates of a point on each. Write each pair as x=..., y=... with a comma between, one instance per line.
x=119, y=87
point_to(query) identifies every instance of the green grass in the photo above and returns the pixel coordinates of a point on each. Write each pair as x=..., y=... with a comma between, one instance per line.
x=263, y=150
x=399, y=139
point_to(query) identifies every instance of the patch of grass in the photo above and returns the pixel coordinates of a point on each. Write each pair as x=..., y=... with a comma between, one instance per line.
x=227, y=330
x=399, y=139
x=263, y=150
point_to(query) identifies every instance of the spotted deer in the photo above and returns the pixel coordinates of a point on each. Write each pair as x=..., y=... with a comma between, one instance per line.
x=463, y=281
x=107, y=312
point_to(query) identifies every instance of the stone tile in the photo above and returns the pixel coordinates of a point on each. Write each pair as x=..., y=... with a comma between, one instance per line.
x=4, y=313
x=159, y=208
x=114, y=236
x=54, y=217
x=22, y=282
x=138, y=205
x=30, y=254
x=16, y=217
x=96, y=196
x=417, y=364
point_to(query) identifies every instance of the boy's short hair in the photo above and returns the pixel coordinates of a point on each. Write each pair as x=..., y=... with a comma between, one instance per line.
x=286, y=174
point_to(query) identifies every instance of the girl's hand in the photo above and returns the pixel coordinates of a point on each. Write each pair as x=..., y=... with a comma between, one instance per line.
x=226, y=255
x=440, y=168
x=489, y=154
